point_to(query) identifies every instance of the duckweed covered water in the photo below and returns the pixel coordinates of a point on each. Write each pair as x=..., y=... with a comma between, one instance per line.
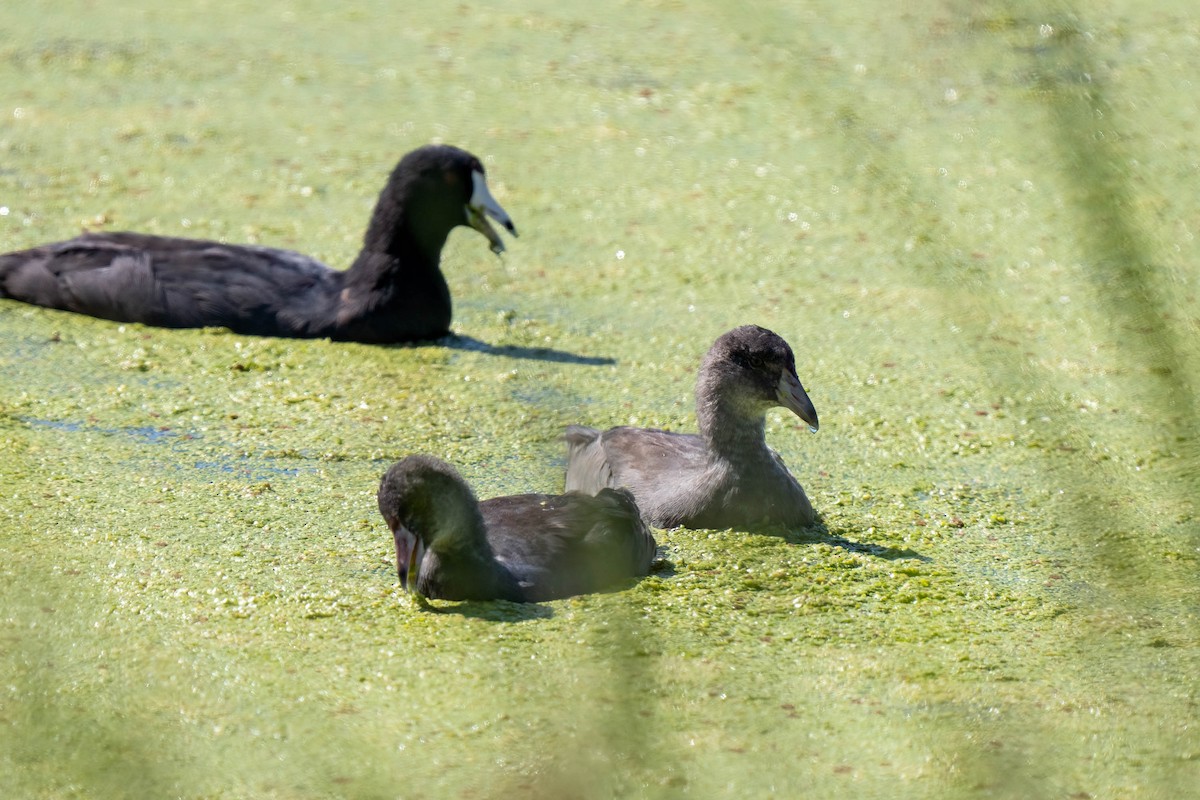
x=974, y=225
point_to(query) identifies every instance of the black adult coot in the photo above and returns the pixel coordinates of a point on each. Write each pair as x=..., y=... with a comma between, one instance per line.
x=525, y=548
x=393, y=292
x=726, y=477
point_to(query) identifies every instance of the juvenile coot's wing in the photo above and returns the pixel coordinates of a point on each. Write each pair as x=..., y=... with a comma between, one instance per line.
x=564, y=545
x=670, y=474
x=588, y=470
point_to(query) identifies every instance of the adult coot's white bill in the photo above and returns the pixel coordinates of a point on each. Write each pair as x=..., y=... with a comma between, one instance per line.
x=726, y=477
x=393, y=292
x=525, y=548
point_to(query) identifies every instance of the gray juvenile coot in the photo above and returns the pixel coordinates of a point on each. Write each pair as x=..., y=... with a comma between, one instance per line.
x=394, y=291
x=524, y=548
x=726, y=477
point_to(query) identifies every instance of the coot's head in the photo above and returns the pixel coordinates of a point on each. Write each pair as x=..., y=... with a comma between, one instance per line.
x=440, y=187
x=754, y=369
x=428, y=506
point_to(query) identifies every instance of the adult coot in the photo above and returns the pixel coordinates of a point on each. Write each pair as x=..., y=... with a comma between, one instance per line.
x=525, y=548
x=393, y=292
x=726, y=477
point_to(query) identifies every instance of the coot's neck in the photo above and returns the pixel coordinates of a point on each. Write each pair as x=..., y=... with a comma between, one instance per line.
x=467, y=568
x=733, y=426
x=461, y=530
x=393, y=245
x=462, y=545
x=395, y=290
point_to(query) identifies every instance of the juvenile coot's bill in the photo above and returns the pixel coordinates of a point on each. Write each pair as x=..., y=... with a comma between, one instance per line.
x=725, y=477
x=524, y=548
x=393, y=292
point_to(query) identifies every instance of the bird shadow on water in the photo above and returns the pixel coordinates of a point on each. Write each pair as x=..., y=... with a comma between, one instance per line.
x=457, y=342
x=508, y=611
x=819, y=532
x=490, y=610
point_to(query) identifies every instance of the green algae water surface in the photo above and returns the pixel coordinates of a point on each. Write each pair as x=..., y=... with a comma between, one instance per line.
x=975, y=224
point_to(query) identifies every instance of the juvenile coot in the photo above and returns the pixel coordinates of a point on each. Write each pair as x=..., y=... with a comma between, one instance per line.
x=394, y=291
x=726, y=477
x=525, y=548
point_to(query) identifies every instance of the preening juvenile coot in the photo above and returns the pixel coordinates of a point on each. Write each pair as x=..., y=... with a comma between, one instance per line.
x=525, y=548
x=393, y=292
x=726, y=477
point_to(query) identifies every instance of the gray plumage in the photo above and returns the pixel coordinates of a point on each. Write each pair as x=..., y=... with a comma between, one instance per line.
x=393, y=292
x=524, y=548
x=725, y=477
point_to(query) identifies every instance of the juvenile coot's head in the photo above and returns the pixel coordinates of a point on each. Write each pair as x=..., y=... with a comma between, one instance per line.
x=427, y=505
x=755, y=368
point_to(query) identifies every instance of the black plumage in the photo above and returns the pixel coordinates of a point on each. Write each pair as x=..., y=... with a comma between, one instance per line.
x=725, y=477
x=524, y=548
x=393, y=292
